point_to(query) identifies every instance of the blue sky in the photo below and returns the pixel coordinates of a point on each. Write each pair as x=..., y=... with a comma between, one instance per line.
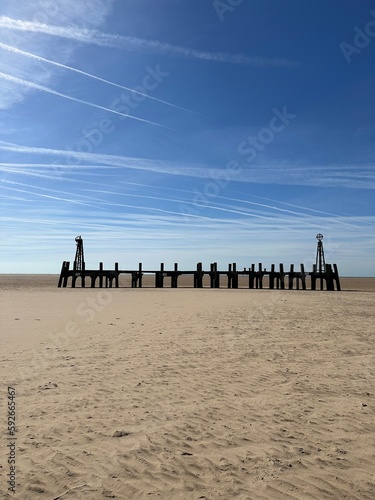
x=185, y=131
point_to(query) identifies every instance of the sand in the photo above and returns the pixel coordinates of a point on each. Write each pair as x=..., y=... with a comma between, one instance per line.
x=188, y=393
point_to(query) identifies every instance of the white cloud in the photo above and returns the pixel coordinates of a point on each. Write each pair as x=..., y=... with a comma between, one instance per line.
x=42, y=88
x=35, y=57
x=131, y=43
x=90, y=14
x=354, y=176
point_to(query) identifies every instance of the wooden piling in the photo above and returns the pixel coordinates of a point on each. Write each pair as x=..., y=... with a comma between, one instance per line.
x=260, y=275
x=159, y=277
x=282, y=276
x=234, y=276
x=303, y=276
x=174, y=276
x=198, y=276
x=100, y=274
x=140, y=275
x=272, y=276
x=116, y=275
x=291, y=277
x=63, y=274
x=251, y=276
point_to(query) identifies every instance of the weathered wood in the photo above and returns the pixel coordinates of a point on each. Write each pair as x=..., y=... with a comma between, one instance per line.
x=217, y=276
x=329, y=278
x=159, y=277
x=234, y=276
x=252, y=276
x=62, y=274
x=174, y=276
x=282, y=276
x=272, y=276
x=291, y=276
x=101, y=274
x=140, y=275
x=260, y=275
x=116, y=275
x=198, y=275
x=303, y=276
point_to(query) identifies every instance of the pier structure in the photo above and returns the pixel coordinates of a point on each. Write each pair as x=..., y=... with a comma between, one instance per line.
x=323, y=276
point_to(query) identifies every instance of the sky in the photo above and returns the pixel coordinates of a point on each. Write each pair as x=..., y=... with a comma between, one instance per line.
x=187, y=131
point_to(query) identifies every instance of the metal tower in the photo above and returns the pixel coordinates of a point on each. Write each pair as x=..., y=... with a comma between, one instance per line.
x=320, y=261
x=79, y=260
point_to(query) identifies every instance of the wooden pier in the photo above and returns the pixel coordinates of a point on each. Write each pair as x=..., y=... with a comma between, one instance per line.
x=254, y=277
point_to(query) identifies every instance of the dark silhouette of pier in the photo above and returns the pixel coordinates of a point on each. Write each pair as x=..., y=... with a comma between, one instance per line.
x=323, y=276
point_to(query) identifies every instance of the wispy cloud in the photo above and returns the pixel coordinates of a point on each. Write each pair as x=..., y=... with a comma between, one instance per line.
x=35, y=57
x=136, y=44
x=90, y=15
x=42, y=88
x=238, y=206
x=355, y=176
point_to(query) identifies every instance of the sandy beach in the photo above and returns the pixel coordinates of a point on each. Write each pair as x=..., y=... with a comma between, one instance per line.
x=187, y=393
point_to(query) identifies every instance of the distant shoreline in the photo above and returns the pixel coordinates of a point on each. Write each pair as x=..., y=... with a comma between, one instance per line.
x=10, y=281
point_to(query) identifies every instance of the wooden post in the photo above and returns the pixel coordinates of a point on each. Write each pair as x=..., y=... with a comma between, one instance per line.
x=174, y=276
x=140, y=275
x=272, y=277
x=329, y=278
x=291, y=276
x=260, y=272
x=282, y=276
x=303, y=277
x=229, y=274
x=214, y=277
x=66, y=277
x=62, y=274
x=199, y=275
x=100, y=274
x=159, y=277
x=217, y=276
x=251, y=276
x=74, y=275
x=235, y=276
x=116, y=275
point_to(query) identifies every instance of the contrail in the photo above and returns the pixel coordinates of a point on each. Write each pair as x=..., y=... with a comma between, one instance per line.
x=307, y=175
x=14, y=50
x=76, y=202
x=139, y=44
x=52, y=176
x=35, y=86
x=55, y=165
x=79, y=202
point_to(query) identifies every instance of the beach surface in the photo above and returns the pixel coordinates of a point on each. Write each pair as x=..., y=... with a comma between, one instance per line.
x=187, y=393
